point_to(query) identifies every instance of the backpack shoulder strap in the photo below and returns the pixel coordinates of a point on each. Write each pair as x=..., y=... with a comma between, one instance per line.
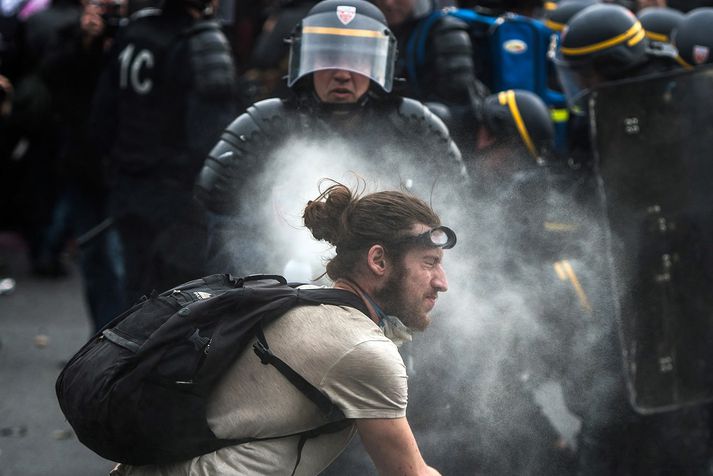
x=325, y=405
x=262, y=349
x=337, y=297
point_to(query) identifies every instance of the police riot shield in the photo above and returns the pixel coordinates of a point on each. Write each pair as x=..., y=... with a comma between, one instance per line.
x=653, y=142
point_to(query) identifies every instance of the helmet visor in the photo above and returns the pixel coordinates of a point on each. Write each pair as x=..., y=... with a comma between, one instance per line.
x=577, y=80
x=365, y=47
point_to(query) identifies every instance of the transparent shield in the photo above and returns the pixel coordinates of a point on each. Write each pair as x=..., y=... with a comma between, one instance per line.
x=576, y=82
x=653, y=141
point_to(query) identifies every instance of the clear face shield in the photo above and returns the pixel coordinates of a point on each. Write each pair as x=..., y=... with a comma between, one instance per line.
x=576, y=79
x=365, y=47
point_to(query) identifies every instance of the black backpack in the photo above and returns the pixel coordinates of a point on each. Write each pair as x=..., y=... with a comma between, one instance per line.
x=136, y=393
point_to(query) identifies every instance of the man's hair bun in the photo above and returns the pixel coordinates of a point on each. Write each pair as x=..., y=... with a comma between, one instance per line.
x=325, y=216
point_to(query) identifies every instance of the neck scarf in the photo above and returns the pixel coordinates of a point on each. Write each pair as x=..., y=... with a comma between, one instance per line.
x=392, y=326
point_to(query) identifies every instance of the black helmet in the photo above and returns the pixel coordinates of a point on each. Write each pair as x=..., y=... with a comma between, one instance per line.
x=558, y=14
x=659, y=22
x=520, y=113
x=694, y=37
x=601, y=43
x=605, y=37
x=343, y=34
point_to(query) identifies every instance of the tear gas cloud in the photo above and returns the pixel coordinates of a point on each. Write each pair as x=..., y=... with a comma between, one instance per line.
x=508, y=336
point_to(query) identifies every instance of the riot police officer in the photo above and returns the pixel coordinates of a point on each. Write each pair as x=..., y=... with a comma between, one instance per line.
x=341, y=113
x=161, y=103
x=694, y=38
x=519, y=121
x=605, y=43
x=601, y=43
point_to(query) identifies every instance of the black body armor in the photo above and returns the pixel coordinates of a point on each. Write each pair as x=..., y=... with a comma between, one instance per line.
x=163, y=61
x=384, y=126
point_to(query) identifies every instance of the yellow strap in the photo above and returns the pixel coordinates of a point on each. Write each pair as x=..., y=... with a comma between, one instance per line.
x=319, y=30
x=637, y=38
x=652, y=35
x=553, y=25
x=565, y=272
x=632, y=36
x=682, y=62
x=510, y=99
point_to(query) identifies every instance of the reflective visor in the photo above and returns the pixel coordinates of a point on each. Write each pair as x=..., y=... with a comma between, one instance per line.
x=365, y=47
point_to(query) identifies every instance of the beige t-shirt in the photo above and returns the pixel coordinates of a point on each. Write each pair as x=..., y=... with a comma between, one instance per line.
x=338, y=350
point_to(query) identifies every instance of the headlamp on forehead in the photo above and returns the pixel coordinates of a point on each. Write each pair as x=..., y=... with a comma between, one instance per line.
x=439, y=237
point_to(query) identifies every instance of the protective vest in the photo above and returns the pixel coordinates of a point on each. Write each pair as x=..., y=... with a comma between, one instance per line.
x=245, y=147
x=162, y=60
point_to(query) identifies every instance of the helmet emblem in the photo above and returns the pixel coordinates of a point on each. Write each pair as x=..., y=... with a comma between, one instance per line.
x=346, y=14
x=700, y=54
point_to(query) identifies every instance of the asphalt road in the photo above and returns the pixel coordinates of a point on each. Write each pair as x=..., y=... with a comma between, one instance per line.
x=42, y=323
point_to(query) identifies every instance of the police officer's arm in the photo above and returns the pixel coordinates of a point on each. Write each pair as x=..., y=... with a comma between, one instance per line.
x=434, y=143
x=451, y=56
x=233, y=160
x=212, y=100
x=392, y=446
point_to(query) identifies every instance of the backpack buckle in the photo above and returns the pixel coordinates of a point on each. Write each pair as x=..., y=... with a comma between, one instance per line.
x=263, y=352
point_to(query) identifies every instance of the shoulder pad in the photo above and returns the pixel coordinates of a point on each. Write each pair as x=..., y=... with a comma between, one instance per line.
x=450, y=37
x=415, y=111
x=260, y=118
x=450, y=22
x=416, y=121
x=240, y=148
x=267, y=109
x=211, y=60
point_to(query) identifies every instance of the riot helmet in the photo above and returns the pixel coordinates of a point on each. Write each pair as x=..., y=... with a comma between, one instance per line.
x=343, y=34
x=601, y=43
x=659, y=22
x=520, y=114
x=557, y=15
x=694, y=37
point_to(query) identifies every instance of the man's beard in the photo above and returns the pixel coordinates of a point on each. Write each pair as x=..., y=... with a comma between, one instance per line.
x=393, y=301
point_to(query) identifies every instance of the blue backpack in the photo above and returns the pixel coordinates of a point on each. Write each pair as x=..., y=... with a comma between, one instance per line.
x=510, y=52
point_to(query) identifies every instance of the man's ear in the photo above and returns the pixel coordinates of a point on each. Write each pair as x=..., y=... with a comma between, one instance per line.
x=376, y=260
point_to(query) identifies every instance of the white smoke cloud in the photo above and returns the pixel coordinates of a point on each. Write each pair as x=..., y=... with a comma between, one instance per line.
x=482, y=359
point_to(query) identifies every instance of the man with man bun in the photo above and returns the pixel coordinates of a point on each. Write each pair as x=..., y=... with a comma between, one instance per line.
x=389, y=251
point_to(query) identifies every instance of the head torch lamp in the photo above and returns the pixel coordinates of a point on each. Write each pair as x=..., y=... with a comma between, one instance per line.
x=439, y=237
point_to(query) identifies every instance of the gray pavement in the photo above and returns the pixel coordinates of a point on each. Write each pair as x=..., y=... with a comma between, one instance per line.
x=42, y=323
